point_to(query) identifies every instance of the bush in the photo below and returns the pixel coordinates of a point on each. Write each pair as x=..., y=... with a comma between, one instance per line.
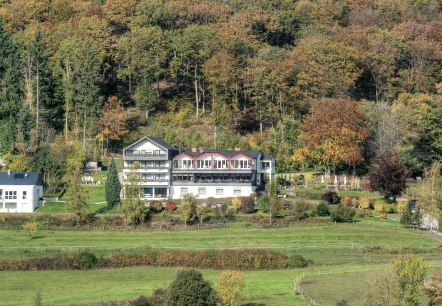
x=347, y=201
x=264, y=203
x=84, y=260
x=230, y=214
x=158, y=297
x=300, y=208
x=247, y=205
x=156, y=206
x=322, y=210
x=140, y=301
x=331, y=197
x=343, y=214
x=364, y=203
x=190, y=288
x=390, y=208
x=308, y=194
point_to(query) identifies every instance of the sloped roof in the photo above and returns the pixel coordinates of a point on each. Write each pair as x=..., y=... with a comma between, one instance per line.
x=229, y=153
x=268, y=157
x=20, y=178
x=157, y=140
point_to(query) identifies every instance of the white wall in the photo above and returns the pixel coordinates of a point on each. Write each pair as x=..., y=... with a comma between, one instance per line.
x=27, y=205
x=146, y=146
x=228, y=191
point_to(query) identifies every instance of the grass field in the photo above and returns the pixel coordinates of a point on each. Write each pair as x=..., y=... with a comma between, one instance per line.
x=65, y=287
x=323, y=243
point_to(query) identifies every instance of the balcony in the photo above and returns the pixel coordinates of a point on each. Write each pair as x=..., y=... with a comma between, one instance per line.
x=152, y=180
x=147, y=168
x=145, y=156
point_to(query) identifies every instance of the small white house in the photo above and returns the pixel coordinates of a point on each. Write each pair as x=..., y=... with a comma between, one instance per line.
x=20, y=192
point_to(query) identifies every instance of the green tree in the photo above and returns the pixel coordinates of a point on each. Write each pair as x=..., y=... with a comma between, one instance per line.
x=113, y=186
x=406, y=217
x=322, y=210
x=187, y=208
x=145, y=97
x=264, y=203
x=10, y=74
x=342, y=213
x=76, y=192
x=190, y=289
x=201, y=213
x=300, y=208
x=7, y=137
x=133, y=207
x=192, y=47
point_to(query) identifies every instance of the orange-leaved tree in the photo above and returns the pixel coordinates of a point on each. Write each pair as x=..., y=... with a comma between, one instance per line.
x=332, y=133
x=113, y=119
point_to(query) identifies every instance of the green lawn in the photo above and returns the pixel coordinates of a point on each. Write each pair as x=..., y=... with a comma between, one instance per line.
x=66, y=287
x=323, y=243
x=96, y=201
x=346, y=282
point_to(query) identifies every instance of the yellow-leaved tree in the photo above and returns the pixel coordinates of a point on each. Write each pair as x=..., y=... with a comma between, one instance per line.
x=230, y=287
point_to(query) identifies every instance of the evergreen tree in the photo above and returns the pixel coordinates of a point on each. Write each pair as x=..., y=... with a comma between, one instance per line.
x=10, y=65
x=113, y=186
x=406, y=217
x=7, y=136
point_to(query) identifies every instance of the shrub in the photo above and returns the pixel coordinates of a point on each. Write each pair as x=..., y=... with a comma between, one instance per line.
x=401, y=206
x=365, y=203
x=230, y=214
x=322, y=210
x=300, y=208
x=140, y=301
x=156, y=206
x=390, y=208
x=30, y=228
x=347, y=201
x=190, y=288
x=84, y=260
x=170, y=206
x=247, y=205
x=343, y=214
x=264, y=203
x=307, y=194
x=236, y=204
x=296, y=261
x=331, y=197
x=380, y=207
x=158, y=297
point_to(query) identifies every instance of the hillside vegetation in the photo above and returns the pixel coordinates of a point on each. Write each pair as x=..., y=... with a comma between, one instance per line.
x=221, y=74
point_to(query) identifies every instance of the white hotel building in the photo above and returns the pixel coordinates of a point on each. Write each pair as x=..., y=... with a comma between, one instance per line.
x=167, y=173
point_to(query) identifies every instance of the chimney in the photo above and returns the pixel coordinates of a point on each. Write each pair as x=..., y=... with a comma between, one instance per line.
x=193, y=150
x=237, y=149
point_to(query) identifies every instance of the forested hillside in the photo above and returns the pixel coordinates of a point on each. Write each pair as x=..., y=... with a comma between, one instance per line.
x=326, y=82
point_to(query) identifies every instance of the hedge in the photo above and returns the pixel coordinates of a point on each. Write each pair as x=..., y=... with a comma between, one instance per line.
x=241, y=259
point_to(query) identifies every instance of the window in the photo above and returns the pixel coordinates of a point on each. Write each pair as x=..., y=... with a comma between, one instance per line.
x=1, y=193
x=25, y=195
x=10, y=195
x=184, y=190
x=236, y=191
x=10, y=205
x=219, y=191
x=201, y=191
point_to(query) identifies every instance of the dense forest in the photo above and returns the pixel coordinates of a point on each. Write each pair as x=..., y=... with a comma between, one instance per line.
x=317, y=83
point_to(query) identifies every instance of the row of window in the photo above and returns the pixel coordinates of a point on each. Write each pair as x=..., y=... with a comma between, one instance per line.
x=146, y=152
x=12, y=195
x=150, y=164
x=202, y=191
x=217, y=164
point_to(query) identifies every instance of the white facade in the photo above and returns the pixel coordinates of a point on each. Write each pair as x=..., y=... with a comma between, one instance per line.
x=208, y=191
x=166, y=173
x=20, y=198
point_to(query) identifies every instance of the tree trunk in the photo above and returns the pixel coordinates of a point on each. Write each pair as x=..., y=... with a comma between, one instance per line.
x=84, y=129
x=195, y=81
x=37, y=106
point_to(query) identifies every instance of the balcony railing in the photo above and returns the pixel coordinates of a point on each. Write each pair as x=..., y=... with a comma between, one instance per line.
x=210, y=168
x=149, y=180
x=135, y=154
x=147, y=168
x=203, y=181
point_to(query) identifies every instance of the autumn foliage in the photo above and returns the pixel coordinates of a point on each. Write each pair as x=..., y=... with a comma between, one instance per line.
x=333, y=133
